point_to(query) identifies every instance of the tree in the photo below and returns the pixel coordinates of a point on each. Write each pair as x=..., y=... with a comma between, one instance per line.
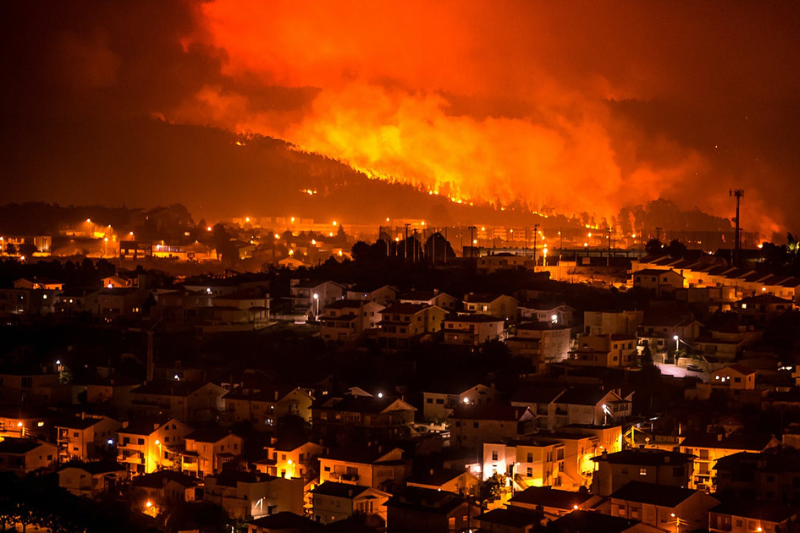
x=491, y=489
x=647, y=356
x=11, y=249
x=676, y=249
x=654, y=247
x=438, y=249
x=361, y=252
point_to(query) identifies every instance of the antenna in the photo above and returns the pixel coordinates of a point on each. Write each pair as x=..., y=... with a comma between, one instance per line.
x=738, y=193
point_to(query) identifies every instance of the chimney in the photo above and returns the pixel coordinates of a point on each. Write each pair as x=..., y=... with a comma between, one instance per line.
x=604, y=455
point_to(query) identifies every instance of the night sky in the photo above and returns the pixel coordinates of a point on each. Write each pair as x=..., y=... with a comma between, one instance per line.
x=563, y=107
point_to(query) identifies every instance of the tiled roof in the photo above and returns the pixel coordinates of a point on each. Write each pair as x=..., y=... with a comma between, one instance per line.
x=653, y=493
x=549, y=497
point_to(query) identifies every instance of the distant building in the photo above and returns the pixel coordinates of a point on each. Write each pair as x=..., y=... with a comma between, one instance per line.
x=403, y=325
x=246, y=495
x=496, y=305
x=473, y=330
x=334, y=501
x=85, y=437
x=615, y=470
x=426, y=511
x=23, y=456
x=91, y=480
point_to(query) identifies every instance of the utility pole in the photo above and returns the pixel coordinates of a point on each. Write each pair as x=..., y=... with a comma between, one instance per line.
x=472, y=240
x=405, y=245
x=658, y=234
x=535, y=237
x=608, y=263
x=738, y=193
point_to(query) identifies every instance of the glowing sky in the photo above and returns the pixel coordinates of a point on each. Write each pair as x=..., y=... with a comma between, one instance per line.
x=565, y=107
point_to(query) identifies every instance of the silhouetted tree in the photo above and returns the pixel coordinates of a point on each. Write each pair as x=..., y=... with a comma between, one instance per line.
x=438, y=249
x=676, y=249
x=654, y=247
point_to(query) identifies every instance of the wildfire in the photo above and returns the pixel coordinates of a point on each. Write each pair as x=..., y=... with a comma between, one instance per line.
x=418, y=110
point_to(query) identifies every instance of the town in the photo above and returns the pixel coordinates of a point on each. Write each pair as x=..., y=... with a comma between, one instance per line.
x=283, y=374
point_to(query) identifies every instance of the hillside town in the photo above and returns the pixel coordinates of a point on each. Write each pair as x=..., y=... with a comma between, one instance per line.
x=401, y=386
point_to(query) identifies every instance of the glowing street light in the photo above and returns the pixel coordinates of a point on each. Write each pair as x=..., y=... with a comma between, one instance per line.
x=316, y=306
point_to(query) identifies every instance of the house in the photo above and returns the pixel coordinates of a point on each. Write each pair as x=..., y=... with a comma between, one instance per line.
x=362, y=418
x=74, y=301
x=39, y=284
x=144, y=445
x=289, y=459
x=529, y=462
x=27, y=384
x=615, y=470
x=612, y=322
x=334, y=501
x=85, y=437
x=473, y=330
x=592, y=406
x=28, y=421
x=659, y=282
x=23, y=456
x=556, y=314
x=766, y=476
x=473, y=425
x=609, y=351
x=577, y=468
x=511, y=520
x=665, y=507
x=489, y=264
x=183, y=400
x=710, y=448
x=541, y=342
x=366, y=466
x=243, y=308
x=118, y=303
x=164, y=487
x=264, y=407
x=496, y=305
x=120, y=281
x=763, y=306
x=541, y=400
x=283, y=522
x=402, y=325
x=660, y=329
x=431, y=298
x=347, y=320
x=206, y=451
x=246, y=495
x=92, y=479
x=460, y=482
x=581, y=521
x=552, y=502
x=304, y=301
x=113, y=392
x=135, y=249
x=745, y=516
x=437, y=406
x=734, y=377
x=426, y=511
x=384, y=295
x=27, y=302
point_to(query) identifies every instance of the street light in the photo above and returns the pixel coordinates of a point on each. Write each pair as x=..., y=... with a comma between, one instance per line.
x=316, y=306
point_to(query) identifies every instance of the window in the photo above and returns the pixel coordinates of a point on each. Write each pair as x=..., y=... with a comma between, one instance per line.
x=440, y=401
x=327, y=469
x=475, y=425
x=429, y=400
x=494, y=455
x=529, y=472
x=642, y=471
x=76, y=434
x=140, y=442
x=530, y=458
